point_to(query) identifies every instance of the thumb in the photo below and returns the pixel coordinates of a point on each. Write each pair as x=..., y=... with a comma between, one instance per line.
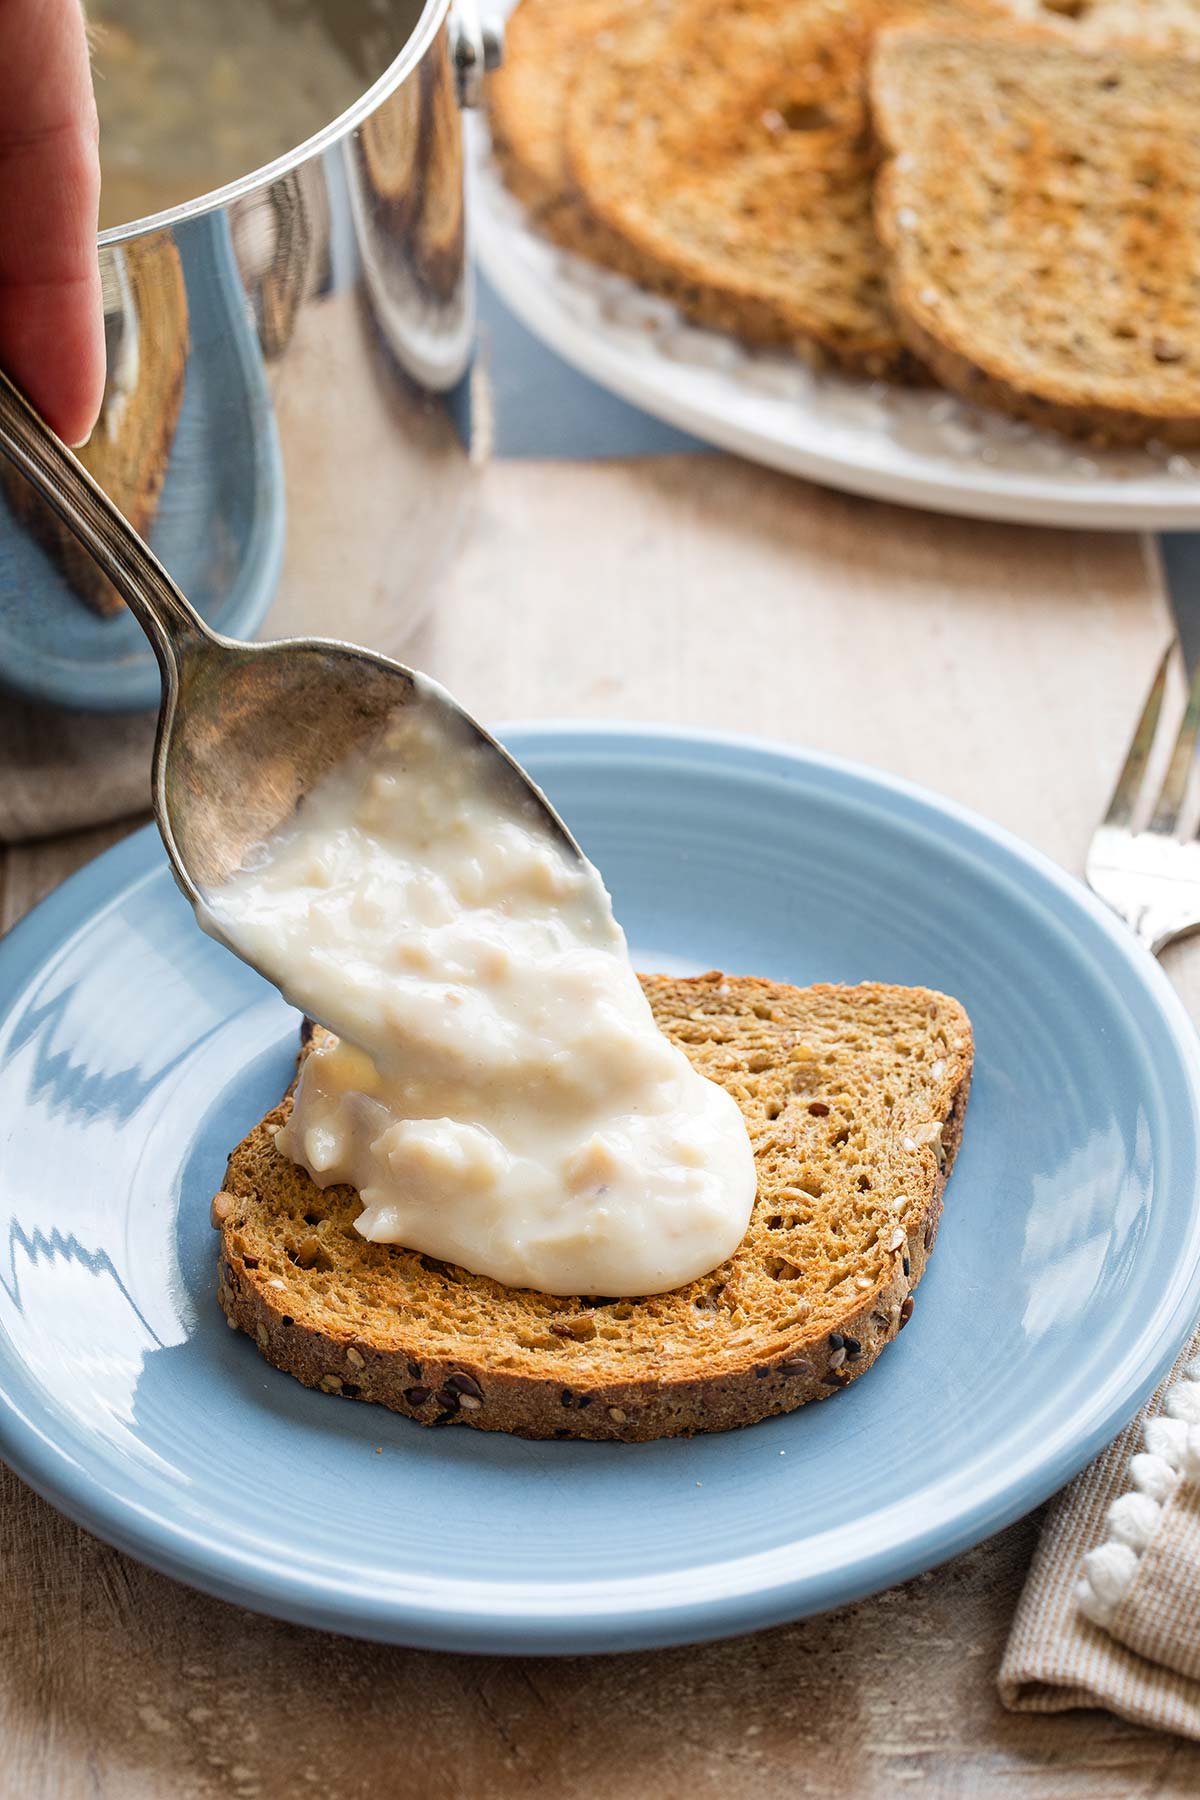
x=51, y=311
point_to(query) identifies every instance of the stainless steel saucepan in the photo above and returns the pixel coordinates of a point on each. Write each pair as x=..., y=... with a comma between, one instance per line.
x=285, y=417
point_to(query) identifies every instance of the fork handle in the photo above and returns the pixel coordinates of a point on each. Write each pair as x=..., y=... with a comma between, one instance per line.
x=168, y=619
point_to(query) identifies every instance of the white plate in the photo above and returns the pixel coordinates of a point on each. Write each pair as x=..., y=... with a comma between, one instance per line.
x=921, y=447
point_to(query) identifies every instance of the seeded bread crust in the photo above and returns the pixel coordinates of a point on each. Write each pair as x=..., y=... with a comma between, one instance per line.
x=854, y=1099
x=545, y=42
x=1041, y=217
x=1161, y=24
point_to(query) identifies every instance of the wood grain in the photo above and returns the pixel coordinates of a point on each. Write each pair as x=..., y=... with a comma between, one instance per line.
x=1004, y=668
x=31, y=871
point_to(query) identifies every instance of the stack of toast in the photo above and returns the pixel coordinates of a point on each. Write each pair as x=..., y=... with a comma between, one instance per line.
x=999, y=196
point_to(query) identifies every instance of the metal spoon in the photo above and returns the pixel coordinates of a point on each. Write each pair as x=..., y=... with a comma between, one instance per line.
x=245, y=731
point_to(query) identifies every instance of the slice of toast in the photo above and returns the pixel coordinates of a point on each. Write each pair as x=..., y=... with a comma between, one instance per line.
x=854, y=1099
x=729, y=147
x=545, y=42
x=130, y=448
x=1041, y=214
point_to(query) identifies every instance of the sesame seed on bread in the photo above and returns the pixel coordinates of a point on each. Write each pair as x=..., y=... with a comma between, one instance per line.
x=854, y=1098
x=1041, y=216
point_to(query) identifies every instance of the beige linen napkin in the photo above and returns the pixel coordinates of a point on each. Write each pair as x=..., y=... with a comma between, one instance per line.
x=1110, y=1615
x=61, y=770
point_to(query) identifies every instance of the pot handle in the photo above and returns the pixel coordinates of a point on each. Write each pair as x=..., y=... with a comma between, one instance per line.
x=476, y=46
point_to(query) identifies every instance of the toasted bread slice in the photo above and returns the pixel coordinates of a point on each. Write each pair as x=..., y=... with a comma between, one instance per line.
x=729, y=147
x=854, y=1099
x=1041, y=213
x=545, y=42
x=439, y=229
x=1157, y=24
x=717, y=155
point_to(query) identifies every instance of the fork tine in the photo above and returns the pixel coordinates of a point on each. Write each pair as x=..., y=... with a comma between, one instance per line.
x=1183, y=756
x=1129, y=781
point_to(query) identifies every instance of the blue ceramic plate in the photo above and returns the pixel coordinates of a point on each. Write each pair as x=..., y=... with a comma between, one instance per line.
x=134, y=1054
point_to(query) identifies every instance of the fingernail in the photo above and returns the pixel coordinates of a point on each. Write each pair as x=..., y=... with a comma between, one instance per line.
x=80, y=443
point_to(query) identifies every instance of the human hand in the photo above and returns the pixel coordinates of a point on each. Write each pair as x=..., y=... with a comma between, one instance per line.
x=51, y=311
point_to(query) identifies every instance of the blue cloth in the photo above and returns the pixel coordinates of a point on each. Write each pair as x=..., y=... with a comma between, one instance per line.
x=544, y=407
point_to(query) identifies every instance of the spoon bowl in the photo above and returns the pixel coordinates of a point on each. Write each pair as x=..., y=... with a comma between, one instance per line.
x=245, y=731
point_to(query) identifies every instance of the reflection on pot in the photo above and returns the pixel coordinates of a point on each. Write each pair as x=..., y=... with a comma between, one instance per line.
x=279, y=417
x=146, y=339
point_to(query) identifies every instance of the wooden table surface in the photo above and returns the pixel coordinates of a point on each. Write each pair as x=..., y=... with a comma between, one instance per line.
x=1003, y=667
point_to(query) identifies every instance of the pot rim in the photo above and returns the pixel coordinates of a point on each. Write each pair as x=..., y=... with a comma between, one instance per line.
x=398, y=70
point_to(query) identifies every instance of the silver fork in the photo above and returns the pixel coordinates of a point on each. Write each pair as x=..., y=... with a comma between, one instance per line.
x=1151, y=876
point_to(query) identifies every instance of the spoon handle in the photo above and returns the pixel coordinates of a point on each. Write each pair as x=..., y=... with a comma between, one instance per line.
x=166, y=617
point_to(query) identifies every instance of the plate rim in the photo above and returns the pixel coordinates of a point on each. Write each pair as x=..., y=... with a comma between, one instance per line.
x=1021, y=501
x=601, y=1614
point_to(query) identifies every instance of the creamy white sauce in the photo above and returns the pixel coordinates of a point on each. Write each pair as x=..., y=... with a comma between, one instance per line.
x=499, y=1095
